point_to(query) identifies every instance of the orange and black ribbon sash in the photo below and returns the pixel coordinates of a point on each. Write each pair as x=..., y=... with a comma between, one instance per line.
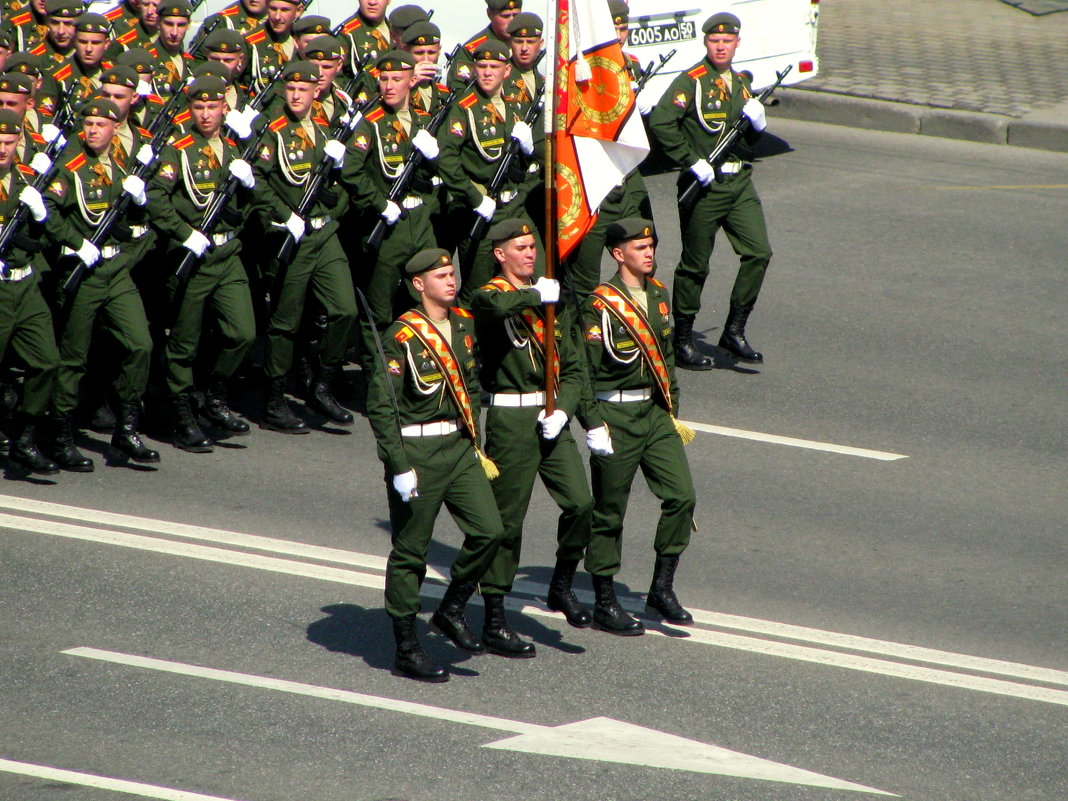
x=637, y=325
x=534, y=324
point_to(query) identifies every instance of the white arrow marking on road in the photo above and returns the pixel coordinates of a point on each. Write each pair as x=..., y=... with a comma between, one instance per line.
x=598, y=739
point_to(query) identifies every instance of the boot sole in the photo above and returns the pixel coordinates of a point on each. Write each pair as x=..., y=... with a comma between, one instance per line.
x=638, y=632
x=415, y=677
x=580, y=625
x=37, y=471
x=510, y=654
x=85, y=469
x=652, y=610
x=280, y=430
x=695, y=368
x=194, y=448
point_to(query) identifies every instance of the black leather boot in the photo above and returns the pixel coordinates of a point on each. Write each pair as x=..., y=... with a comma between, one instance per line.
x=411, y=659
x=64, y=451
x=188, y=435
x=608, y=615
x=277, y=416
x=217, y=412
x=321, y=398
x=687, y=356
x=661, y=596
x=127, y=441
x=103, y=420
x=562, y=598
x=498, y=635
x=733, y=339
x=449, y=617
x=24, y=448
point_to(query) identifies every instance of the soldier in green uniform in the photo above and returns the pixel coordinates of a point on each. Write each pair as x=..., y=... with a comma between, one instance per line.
x=244, y=17
x=308, y=27
x=331, y=101
x=85, y=187
x=148, y=102
x=58, y=44
x=366, y=36
x=173, y=63
x=27, y=27
x=16, y=94
x=627, y=324
x=428, y=443
x=473, y=141
x=290, y=151
x=693, y=114
x=25, y=322
x=84, y=68
x=521, y=437
x=272, y=45
x=423, y=41
x=526, y=82
x=139, y=33
x=500, y=13
x=191, y=169
x=125, y=15
x=229, y=50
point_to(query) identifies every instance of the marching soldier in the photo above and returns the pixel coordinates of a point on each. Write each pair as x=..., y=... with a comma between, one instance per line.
x=244, y=17
x=25, y=321
x=136, y=33
x=173, y=63
x=366, y=36
x=307, y=28
x=522, y=439
x=428, y=443
x=500, y=13
x=58, y=43
x=627, y=325
x=401, y=19
x=191, y=169
x=229, y=50
x=27, y=27
x=125, y=15
x=148, y=102
x=525, y=83
x=423, y=41
x=272, y=44
x=694, y=113
x=85, y=187
x=331, y=102
x=91, y=39
x=16, y=94
x=36, y=118
x=295, y=144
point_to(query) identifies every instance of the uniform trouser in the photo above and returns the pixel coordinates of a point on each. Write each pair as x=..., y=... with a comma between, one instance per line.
x=477, y=265
x=319, y=265
x=522, y=454
x=107, y=292
x=643, y=435
x=734, y=206
x=448, y=473
x=218, y=284
x=26, y=328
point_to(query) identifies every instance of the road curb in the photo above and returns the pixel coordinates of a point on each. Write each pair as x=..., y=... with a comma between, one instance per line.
x=1044, y=130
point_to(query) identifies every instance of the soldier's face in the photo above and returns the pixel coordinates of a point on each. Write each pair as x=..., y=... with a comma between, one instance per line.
x=61, y=31
x=721, y=48
x=517, y=257
x=254, y=8
x=281, y=15
x=90, y=47
x=525, y=50
x=16, y=101
x=426, y=54
x=499, y=22
x=328, y=70
x=172, y=31
x=636, y=257
x=5, y=54
x=232, y=61
x=39, y=6
x=121, y=96
x=491, y=75
x=98, y=133
x=8, y=143
x=150, y=14
x=373, y=10
x=437, y=285
x=395, y=86
x=299, y=96
x=208, y=116
x=623, y=31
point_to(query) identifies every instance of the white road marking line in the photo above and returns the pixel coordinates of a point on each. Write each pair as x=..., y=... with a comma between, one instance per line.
x=812, y=445
x=692, y=635
x=104, y=782
x=600, y=739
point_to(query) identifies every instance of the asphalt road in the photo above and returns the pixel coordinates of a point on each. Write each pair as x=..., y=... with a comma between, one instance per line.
x=914, y=309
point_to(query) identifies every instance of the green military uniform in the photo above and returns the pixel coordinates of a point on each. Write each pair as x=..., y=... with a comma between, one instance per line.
x=233, y=17
x=46, y=49
x=130, y=33
x=364, y=42
x=462, y=69
x=172, y=70
x=268, y=54
x=26, y=28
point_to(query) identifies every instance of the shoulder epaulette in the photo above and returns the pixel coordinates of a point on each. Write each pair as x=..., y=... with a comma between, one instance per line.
x=75, y=163
x=152, y=52
x=444, y=88
x=63, y=72
x=127, y=37
x=471, y=46
x=460, y=312
x=37, y=138
x=27, y=170
x=698, y=72
x=39, y=50
x=182, y=117
x=21, y=19
x=114, y=14
x=231, y=11
x=419, y=112
x=375, y=115
x=154, y=98
x=184, y=142
x=229, y=141
x=256, y=36
x=469, y=101
x=351, y=25
x=279, y=124
x=144, y=132
x=654, y=282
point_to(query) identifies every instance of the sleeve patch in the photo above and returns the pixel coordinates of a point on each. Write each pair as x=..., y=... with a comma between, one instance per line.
x=457, y=128
x=168, y=171
x=394, y=367
x=681, y=99
x=593, y=334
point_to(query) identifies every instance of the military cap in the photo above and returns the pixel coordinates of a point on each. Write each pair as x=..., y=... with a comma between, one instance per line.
x=627, y=229
x=7, y=37
x=313, y=23
x=395, y=60
x=324, y=48
x=421, y=33
x=64, y=8
x=620, y=11
x=93, y=23
x=428, y=259
x=212, y=69
x=405, y=16
x=303, y=71
x=224, y=41
x=16, y=83
x=723, y=22
x=503, y=5
x=207, y=87
x=526, y=25
x=26, y=63
x=100, y=107
x=492, y=50
x=10, y=121
x=138, y=59
x=509, y=229
x=175, y=8
x=120, y=75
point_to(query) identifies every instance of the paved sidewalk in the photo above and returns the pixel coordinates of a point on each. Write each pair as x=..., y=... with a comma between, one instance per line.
x=970, y=69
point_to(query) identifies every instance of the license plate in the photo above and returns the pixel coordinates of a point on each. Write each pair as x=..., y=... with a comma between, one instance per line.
x=662, y=33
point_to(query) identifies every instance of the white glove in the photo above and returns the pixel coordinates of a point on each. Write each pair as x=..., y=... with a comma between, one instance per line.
x=521, y=133
x=32, y=199
x=335, y=150
x=548, y=288
x=238, y=123
x=250, y=114
x=295, y=225
x=552, y=425
x=40, y=163
x=144, y=88
x=50, y=132
x=88, y=253
x=641, y=100
x=135, y=188
x=391, y=213
x=197, y=243
x=405, y=484
x=704, y=172
x=242, y=171
x=486, y=208
x=754, y=110
x=599, y=441
x=426, y=144
x=145, y=154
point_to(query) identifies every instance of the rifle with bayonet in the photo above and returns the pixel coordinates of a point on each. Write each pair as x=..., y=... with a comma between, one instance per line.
x=727, y=141
x=650, y=71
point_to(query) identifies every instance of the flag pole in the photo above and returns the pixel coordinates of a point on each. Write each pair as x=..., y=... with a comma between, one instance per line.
x=554, y=70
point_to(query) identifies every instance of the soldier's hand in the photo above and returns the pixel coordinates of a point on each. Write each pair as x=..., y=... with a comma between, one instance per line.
x=335, y=150
x=295, y=225
x=486, y=208
x=754, y=110
x=552, y=425
x=197, y=243
x=521, y=133
x=239, y=123
x=391, y=213
x=548, y=288
x=31, y=199
x=599, y=441
x=704, y=172
x=50, y=132
x=242, y=171
x=88, y=253
x=425, y=142
x=145, y=154
x=641, y=101
x=405, y=485
x=135, y=188
x=144, y=88
x=40, y=163
x=424, y=71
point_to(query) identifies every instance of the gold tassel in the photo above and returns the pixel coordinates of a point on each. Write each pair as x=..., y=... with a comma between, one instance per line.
x=686, y=434
x=487, y=464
